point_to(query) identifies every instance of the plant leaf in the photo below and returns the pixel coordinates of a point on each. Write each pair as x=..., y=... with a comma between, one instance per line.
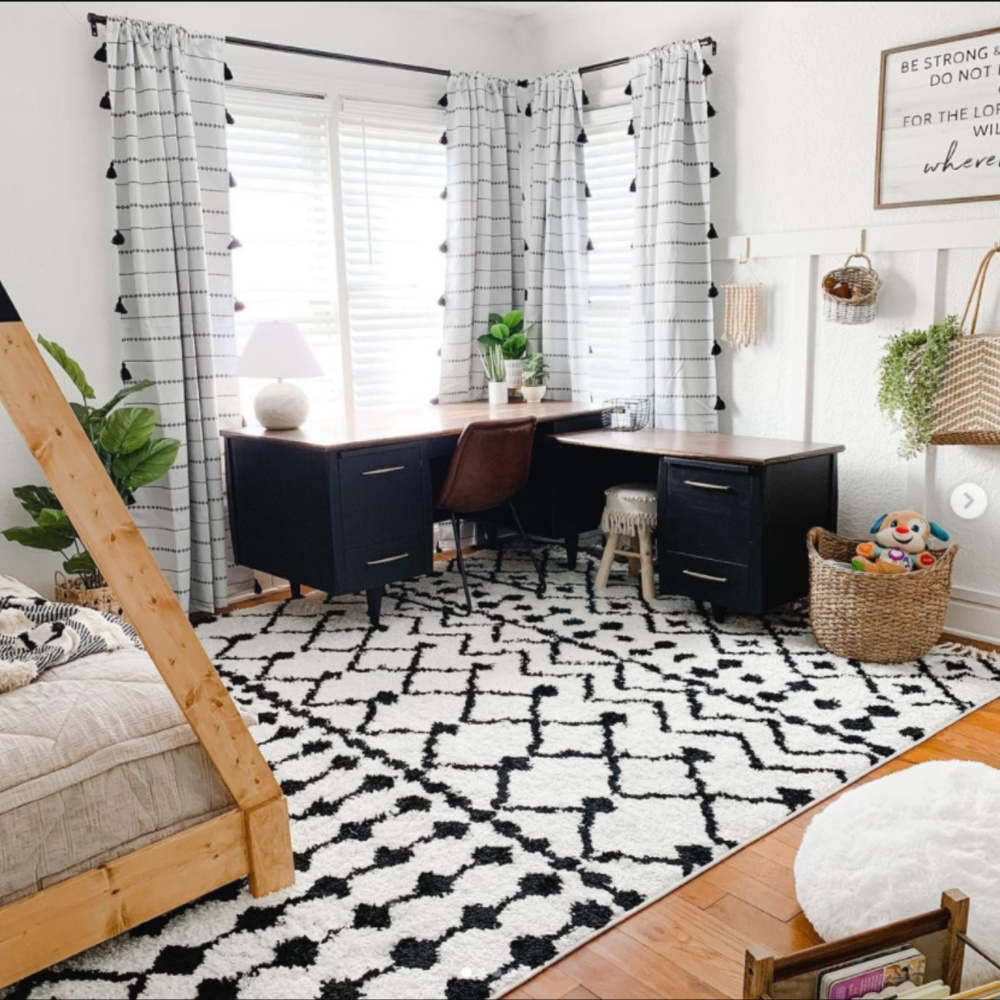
x=495, y=318
x=53, y=539
x=128, y=430
x=82, y=562
x=499, y=331
x=86, y=417
x=146, y=464
x=69, y=366
x=53, y=517
x=487, y=339
x=514, y=346
x=35, y=499
x=103, y=411
x=514, y=318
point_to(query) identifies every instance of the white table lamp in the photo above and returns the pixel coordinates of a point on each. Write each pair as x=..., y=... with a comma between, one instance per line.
x=279, y=351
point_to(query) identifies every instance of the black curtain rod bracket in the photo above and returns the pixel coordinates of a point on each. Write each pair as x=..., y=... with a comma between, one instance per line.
x=296, y=50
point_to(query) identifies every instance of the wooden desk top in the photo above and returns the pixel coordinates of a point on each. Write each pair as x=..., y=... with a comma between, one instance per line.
x=699, y=446
x=378, y=427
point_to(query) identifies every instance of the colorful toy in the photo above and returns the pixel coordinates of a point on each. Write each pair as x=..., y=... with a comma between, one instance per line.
x=900, y=544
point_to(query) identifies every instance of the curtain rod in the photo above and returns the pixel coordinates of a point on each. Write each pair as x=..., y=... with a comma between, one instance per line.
x=252, y=43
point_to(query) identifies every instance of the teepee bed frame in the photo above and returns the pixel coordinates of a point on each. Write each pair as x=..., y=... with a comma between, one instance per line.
x=252, y=838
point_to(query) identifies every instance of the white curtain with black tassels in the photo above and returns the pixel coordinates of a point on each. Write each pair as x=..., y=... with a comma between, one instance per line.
x=558, y=289
x=485, y=236
x=671, y=338
x=166, y=96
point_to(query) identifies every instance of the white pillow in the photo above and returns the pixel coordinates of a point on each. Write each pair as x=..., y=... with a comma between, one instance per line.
x=11, y=587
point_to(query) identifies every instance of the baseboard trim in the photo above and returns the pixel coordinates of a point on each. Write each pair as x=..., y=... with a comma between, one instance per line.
x=974, y=614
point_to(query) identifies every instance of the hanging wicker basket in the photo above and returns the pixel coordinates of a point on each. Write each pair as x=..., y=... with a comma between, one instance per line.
x=967, y=409
x=864, y=284
x=70, y=590
x=875, y=617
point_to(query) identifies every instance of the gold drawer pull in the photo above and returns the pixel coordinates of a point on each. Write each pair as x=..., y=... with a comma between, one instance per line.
x=705, y=576
x=382, y=472
x=706, y=486
x=388, y=559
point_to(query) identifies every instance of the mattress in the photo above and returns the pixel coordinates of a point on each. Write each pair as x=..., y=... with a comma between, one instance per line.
x=96, y=760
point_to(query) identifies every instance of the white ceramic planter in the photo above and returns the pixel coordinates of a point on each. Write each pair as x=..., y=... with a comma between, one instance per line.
x=533, y=393
x=515, y=373
x=498, y=393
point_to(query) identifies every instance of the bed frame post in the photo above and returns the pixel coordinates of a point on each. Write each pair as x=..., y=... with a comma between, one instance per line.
x=48, y=426
x=758, y=973
x=957, y=905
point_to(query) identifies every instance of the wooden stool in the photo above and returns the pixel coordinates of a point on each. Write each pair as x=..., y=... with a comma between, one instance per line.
x=630, y=512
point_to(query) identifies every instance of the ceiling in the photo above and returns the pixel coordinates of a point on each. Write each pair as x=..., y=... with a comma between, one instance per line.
x=515, y=9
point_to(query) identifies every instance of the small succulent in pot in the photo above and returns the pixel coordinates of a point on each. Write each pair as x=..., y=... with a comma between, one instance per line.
x=536, y=373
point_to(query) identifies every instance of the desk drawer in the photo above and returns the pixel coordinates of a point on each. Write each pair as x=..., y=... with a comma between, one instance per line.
x=704, y=579
x=707, y=512
x=387, y=561
x=382, y=495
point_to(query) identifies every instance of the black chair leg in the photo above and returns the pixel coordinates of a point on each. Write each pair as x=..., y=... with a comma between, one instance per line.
x=456, y=527
x=524, y=538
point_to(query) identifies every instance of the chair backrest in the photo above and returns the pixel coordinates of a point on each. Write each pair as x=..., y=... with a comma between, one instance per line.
x=490, y=465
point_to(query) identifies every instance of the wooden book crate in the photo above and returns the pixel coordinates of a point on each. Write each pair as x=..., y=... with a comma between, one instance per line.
x=939, y=934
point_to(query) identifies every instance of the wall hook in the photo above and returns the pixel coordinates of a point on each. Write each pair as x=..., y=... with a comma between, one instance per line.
x=862, y=240
x=745, y=257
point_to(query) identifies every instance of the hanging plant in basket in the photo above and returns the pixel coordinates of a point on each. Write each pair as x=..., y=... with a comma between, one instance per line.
x=911, y=374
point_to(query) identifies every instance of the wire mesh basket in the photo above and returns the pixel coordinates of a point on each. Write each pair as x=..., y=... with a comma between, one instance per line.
x=628, y=413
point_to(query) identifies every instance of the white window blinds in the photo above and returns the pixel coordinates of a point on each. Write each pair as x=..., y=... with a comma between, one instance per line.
x=282, y=214
x=392, y=173
x=610, y=166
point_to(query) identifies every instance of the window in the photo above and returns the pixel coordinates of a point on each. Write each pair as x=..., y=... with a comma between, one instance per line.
x=282, y=213
x=610, y=164
x=392, y=167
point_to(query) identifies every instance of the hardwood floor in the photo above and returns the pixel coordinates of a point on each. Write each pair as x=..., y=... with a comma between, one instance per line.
x=691, y=943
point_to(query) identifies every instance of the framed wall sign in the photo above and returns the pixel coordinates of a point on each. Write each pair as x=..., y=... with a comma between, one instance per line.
x=939, y=122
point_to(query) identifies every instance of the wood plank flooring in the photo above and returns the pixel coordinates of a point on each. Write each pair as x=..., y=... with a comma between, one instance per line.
x=690, y=944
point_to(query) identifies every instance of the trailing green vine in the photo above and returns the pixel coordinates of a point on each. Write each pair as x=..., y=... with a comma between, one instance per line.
x=911, y=373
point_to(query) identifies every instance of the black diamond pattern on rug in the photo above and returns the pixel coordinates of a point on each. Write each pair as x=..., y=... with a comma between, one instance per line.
x=472, y=795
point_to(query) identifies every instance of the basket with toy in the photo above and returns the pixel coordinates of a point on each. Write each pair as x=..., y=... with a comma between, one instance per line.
x=850, y=292
x=882, y=601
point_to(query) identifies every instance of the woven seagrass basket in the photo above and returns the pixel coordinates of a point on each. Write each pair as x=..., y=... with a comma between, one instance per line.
x=875, y=617
x=71, y=591
x=967, y=409
x=864, y=283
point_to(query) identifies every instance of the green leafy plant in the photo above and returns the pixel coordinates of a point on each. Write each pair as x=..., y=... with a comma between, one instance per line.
x=536, y=370
x=509, y=332
x=911, y=372
x=492, y=359
x=123, y=440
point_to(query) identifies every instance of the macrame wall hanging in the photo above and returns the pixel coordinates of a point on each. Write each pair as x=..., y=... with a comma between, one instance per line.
x=742, y=304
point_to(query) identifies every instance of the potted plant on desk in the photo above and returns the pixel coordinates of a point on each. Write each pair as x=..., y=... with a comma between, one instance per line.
x=496, y=376
x=509, y=333
x=536, y=373
x=123, y=440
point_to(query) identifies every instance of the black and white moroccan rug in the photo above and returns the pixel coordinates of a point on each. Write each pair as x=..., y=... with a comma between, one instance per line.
x=473, y=796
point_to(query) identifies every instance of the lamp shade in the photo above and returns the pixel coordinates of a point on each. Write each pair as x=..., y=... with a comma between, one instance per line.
x=278, y=350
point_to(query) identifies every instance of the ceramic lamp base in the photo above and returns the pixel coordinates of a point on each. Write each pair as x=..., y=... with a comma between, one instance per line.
x=281, y=406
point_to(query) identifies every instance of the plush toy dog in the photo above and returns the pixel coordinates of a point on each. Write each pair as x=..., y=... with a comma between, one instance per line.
x=900, y=543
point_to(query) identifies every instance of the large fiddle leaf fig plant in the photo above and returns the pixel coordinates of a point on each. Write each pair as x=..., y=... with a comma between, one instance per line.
x=123, y=440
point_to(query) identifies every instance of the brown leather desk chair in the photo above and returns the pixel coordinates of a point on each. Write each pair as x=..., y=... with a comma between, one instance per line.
x=489, y=467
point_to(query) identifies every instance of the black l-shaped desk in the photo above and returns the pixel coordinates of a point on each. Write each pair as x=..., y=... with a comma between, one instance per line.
x=348, y=507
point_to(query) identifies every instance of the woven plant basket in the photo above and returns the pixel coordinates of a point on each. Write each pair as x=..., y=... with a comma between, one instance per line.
x=967, y=409
x=864, y=283
x=875, y=617
x=71, y=591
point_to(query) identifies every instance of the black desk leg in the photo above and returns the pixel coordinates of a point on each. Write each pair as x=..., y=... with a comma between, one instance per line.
x=491, y=535
x=718, y=613
x=296, y=589
x=374, y=595
x=572, y=548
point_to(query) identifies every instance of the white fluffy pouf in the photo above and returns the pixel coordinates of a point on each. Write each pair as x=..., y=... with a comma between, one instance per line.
x=888, y=849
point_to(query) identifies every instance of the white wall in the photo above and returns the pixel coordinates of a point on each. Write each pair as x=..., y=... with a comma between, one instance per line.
x=55, y=143
x=796, y=90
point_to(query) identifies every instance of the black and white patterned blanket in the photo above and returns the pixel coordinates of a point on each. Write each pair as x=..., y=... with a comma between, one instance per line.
x=36, y=634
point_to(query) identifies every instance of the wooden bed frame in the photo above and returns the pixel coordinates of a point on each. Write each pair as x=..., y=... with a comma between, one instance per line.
x=251, y=839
